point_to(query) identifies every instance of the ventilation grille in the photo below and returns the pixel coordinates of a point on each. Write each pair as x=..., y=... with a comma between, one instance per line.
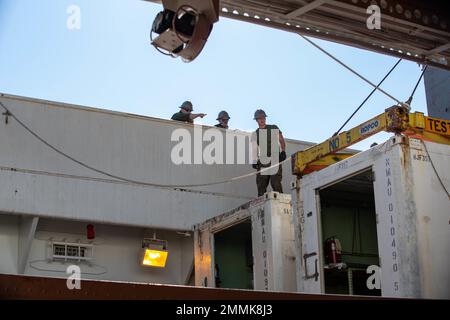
x=71, y=251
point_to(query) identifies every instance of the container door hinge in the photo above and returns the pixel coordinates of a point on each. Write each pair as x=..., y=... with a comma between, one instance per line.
x=315, y=275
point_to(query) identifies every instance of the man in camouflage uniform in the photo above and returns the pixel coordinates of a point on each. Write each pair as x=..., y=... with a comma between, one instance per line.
x=185, y=114
x=264, y=131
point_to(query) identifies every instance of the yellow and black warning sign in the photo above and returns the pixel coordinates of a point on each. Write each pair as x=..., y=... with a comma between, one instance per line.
x=439, y=126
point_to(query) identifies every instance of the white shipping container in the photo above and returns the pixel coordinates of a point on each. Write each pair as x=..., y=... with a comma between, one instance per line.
x=37, y=181
x=269, y=244
x=387, y=208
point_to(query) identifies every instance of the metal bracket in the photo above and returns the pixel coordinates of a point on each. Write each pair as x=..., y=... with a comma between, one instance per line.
x=315, y=275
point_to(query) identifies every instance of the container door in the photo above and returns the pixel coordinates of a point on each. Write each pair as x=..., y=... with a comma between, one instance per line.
x=308, y=254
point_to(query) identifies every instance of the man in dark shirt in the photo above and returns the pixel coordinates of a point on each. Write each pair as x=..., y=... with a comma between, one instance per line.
x=223, y=118
x=264, y=131
x=185, y=114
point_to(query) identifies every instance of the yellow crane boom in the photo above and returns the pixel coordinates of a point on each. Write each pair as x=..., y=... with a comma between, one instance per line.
x=395, y=119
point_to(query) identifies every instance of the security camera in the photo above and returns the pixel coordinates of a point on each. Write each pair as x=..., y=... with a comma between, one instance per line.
x=183, y=27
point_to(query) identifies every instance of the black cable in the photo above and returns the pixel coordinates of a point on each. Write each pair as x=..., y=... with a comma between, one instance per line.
x=434, y=169
x=150, y=184
x=408, y=102
x=423, y=142
x=70, y=157
x=367, y=98
x=349, y=69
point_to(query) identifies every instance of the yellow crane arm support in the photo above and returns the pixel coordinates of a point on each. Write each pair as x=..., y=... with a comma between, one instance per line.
x=395, y=119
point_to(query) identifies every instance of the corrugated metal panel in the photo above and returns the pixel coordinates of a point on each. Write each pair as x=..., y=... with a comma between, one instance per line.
x=437, y=90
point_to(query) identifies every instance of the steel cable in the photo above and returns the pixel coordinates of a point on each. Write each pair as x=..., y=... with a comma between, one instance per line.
x=144, y=183
x=350, y=69
x=367, y=98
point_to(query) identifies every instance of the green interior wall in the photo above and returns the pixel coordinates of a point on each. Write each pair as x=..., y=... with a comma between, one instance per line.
x=348, y=213
x=342, y=222
x=233, y=255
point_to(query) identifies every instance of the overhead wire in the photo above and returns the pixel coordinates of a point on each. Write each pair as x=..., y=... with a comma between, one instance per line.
x=350, y=69
x=178, y=186
x=377, y=87
x=435, y=170
x=367, y=98
x=411, y=96
x=115, y=181
x=423, y=142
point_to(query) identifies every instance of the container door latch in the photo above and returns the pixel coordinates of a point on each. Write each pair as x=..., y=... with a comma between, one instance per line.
x=315, y=275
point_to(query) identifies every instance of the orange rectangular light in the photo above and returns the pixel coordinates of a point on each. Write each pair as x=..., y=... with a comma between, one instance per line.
x=155, y=258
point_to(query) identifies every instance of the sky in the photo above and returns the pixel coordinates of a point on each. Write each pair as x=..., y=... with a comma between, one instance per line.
x=109, y=63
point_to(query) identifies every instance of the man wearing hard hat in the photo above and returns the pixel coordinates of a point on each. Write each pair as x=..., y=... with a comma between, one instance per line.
x=223, y=118
x=266, y=131
x=185, y=114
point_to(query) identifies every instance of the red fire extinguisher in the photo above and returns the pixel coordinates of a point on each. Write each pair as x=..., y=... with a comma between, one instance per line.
x=333, y=250
x=90, y=232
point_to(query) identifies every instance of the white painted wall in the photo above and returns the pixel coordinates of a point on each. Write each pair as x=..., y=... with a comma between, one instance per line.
x=9, y=240
x=117, y=251
x=433, y=218
x=44, y=183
